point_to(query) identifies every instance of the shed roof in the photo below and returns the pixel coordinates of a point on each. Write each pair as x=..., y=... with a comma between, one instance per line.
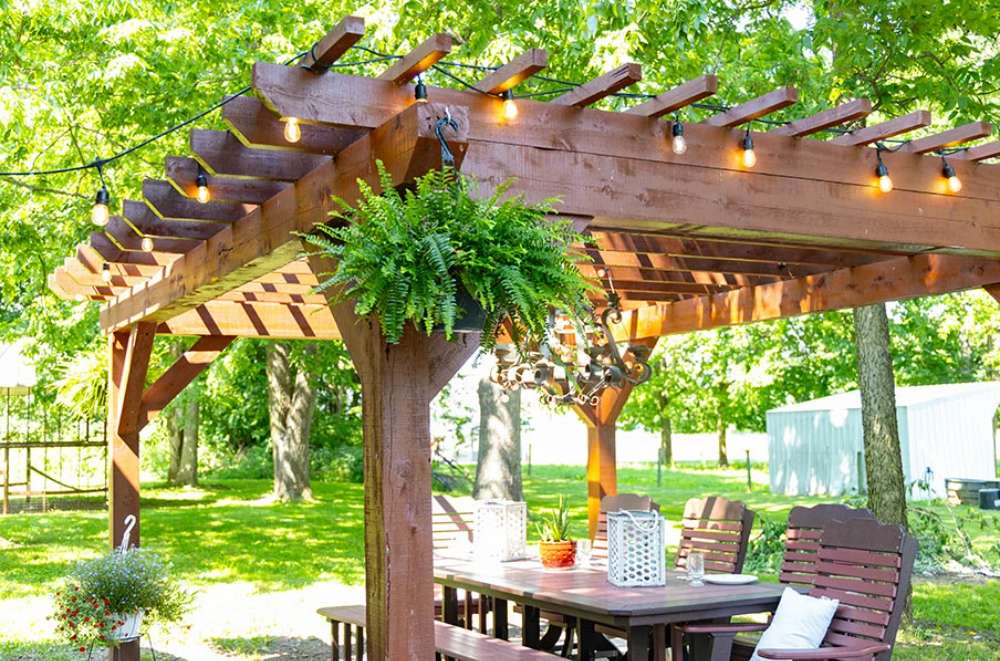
x=905, y=396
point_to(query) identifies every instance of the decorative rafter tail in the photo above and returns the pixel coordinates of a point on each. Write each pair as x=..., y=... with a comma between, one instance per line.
x=334, y=44
x=755, y=108
x=419, y=60
x=897, y=126
x=603, y=86
x=949, y=138
x=679, y=97
x=845, y=112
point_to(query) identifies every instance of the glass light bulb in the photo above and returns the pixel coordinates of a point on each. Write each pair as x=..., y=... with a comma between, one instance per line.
x=509, y=109
x=954, y=183
x=293, y=132
x=147, y=243
x=106, y=273
x=99, y=214
x=749, y=158
x=679, y=144
x=203, y=194
x=885, y=183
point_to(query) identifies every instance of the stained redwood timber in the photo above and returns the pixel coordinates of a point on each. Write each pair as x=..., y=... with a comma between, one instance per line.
x=663, y=262
x=755, y=108
x=398, y=382
x=184, y=370
x=978, y=153
x=257, y=127
x=167, y=202
x=866, y=136
x=601, y=87
x=993, y=290
x=419, y=60
x=128, y=240
x=182, y=174
x=142, y=218
x=334, y=44
x=679, y=97
x=949, y=138
x=273, y=321
x=842, y=114
x=265, y=239
x=514, y=72
x=890, y=280
x=341, y=100
x=221, y=153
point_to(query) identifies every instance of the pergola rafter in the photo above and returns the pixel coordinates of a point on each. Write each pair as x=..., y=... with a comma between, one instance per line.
x=691, y=241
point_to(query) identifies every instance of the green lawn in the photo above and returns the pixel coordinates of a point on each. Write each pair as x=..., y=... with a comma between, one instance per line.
x=225, y=532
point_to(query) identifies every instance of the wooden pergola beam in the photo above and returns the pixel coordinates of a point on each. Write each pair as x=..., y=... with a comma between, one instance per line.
x=978, y=153
x=273, y=321
x=131, y=239
x=845, y=112
x=666, y=262
x=182, y=174
x=266, y=238
x=679, y=97
x=514, y=72
x=601, y=87
x=866, y=136
x=256, y=127
x=167, y=202
x=334, y=44
x=420, y=59
x=184, y=370
x=140, y=216
x=890, y=280
x=949, y=138
x=755, y=108
x=221, y=153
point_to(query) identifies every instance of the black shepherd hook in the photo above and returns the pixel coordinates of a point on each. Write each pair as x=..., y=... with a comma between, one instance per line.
x=447, y=158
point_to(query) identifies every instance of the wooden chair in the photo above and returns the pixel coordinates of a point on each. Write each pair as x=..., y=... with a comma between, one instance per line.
x=867, y=566
x=452, y=521
x=799, y=560
x=719, y=529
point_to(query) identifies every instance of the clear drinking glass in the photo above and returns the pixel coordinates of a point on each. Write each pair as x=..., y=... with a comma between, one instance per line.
x=696, y=567
x=584, y=550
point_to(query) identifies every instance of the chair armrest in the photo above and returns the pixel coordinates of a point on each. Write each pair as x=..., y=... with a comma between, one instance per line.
x=722, y=628
x=826, y=653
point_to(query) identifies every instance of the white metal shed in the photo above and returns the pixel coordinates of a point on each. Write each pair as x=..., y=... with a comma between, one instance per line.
x=945, y=431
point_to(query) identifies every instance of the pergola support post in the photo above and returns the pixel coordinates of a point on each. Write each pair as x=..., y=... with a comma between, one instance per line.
x=602, y=470
x=398, y=382
x=130, y=351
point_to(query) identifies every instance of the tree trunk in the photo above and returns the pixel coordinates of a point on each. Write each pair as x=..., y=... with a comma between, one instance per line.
x=667, y=441
x=174, y=427
x=498, y=469
x=187, y=469
x=723, y=452
x=883, y=459
x=291, y=400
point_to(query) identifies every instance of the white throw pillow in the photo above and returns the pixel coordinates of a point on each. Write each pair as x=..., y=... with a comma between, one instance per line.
x=799, y=623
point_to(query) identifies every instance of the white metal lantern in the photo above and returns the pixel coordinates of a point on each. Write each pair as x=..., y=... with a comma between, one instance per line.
x=501, y=530
x=637, y=543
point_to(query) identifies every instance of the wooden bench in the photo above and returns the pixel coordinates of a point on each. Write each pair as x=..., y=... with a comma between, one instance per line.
x=451, y=642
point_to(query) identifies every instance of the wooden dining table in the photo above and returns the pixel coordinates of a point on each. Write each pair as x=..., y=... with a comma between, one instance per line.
x=585, y=594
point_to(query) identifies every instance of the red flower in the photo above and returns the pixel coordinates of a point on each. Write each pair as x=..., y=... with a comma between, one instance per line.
x=83, y=649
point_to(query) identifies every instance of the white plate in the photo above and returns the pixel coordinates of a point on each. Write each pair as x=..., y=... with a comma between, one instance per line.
x=730, y=579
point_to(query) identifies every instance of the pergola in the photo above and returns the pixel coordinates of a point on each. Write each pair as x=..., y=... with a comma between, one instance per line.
x=694, y=241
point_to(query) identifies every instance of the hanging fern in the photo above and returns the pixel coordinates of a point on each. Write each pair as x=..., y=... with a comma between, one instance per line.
x=403, y=256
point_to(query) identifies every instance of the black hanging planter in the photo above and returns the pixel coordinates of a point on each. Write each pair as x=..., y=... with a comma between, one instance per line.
x=473, y=315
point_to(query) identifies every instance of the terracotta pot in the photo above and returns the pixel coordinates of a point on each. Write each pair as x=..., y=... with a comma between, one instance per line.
x=557, y=555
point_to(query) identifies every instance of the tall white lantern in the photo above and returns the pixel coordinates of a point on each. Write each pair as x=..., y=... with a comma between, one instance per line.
x=501, y=530
x=637, y=542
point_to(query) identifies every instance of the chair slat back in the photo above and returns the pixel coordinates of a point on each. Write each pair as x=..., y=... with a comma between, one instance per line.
x=452, y=518
x=866, y=565
x=805, y=526
x=719, y=529
x=622, y=501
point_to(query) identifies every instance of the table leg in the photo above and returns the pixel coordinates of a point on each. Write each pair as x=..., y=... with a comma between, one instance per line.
x=500, y=629
x=586, y=639
x=450, y=598
x=638, y=643
x=531, y=627
x=659, y=642
x=335, y=640
x=710, y=648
